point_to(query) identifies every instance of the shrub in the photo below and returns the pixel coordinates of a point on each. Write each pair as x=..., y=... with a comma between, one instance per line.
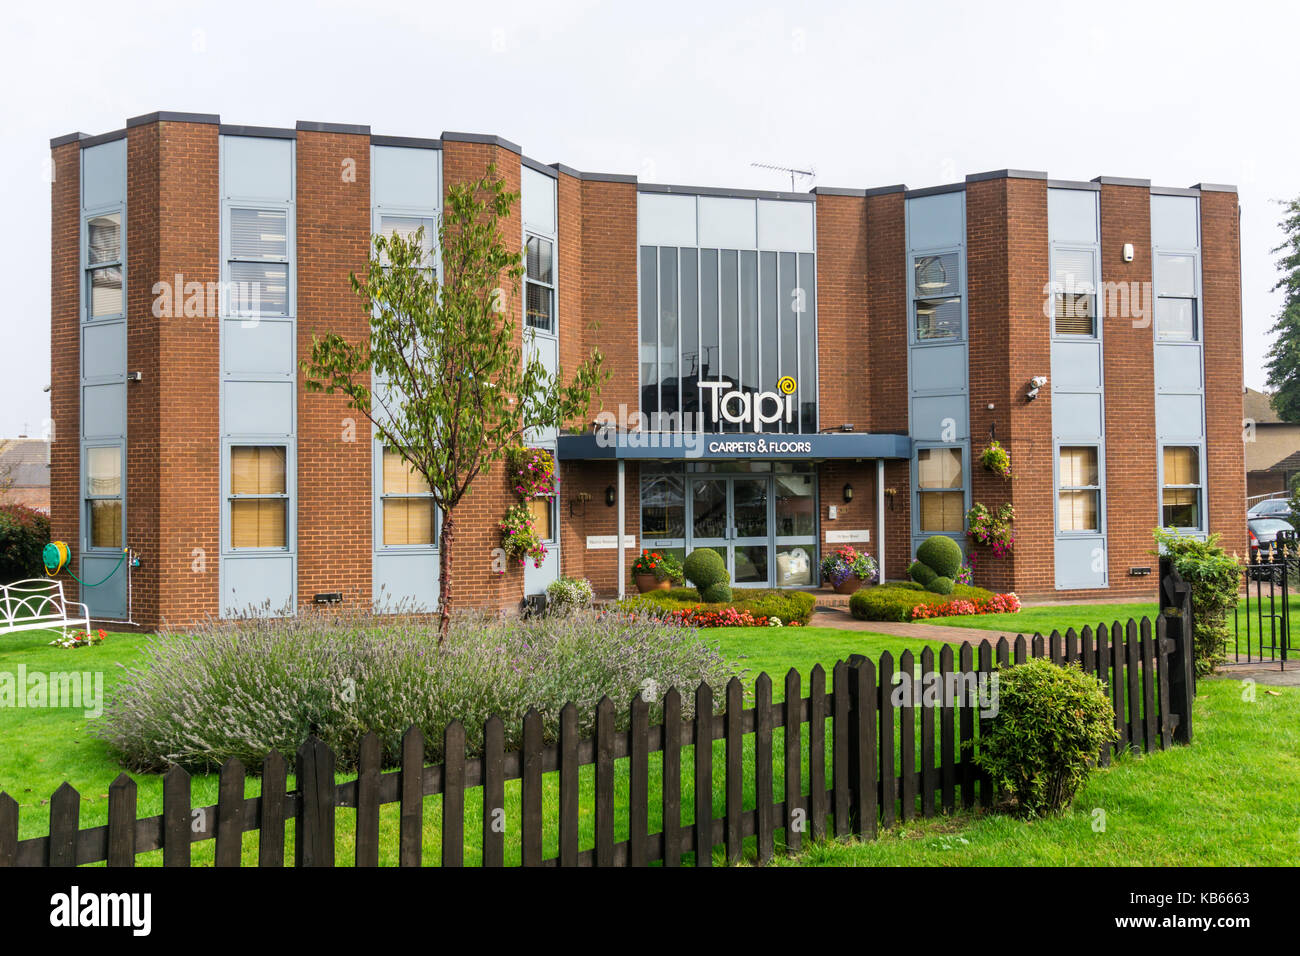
x=940, y=554
x=921, y=573
x=24, y=533
x=705, y=569
x=719, y=592
x=1051, y=723
x=899, y=601
x=243, y=688
x=1214, y=576
x=565, y=595
x=942, y=586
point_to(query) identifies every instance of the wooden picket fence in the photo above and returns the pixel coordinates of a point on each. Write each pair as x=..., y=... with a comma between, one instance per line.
x=887, y=764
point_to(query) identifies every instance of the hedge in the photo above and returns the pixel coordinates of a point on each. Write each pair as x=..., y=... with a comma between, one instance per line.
x=789, y=606
x=24, y=533
x=894, y=601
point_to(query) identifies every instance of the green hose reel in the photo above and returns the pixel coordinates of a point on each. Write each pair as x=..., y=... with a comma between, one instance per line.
x=56, y=556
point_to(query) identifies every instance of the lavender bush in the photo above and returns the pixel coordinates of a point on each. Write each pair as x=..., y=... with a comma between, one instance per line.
x=244, y=688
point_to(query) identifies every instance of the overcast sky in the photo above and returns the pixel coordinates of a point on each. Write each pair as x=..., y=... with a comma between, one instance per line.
x=868, y=94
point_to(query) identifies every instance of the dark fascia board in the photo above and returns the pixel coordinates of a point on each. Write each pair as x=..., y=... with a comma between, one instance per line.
x=1073, y=184
x=592, y=177
x=727, y=193
x=65, y=139
x=539, y=167
x=934, y=190
x=1006, y=174
x=1173, y=191
x=89, y=141
x=885, y=190
x=266, y=132
x=1215, y=188
x=837, y=191
x=1121, y=181
x=345, y=128
x=163, y=116
x=452, y=137
x=408, y=142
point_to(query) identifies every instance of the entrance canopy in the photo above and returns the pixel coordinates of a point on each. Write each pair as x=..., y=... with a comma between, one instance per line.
x=608, y=444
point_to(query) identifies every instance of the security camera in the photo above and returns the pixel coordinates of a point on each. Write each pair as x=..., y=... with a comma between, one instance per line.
x=1031, y=394
x=1038, y=381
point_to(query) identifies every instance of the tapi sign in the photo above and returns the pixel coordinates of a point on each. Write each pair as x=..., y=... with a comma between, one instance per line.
x=754, y=409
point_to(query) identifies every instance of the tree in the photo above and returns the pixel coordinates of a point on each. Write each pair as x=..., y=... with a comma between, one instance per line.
x=453, y=386
x=1284, y=354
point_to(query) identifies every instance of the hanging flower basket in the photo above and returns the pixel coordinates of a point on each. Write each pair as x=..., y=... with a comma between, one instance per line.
x=994, y=458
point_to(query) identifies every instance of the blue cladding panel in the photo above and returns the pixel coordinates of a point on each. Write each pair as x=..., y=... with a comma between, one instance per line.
x=1072, y=216
x=410, y=578
x=727, y=223
x=936, y=221
x=665, y=220
x=103, y=350
x=1076, y=364
x=940, y=418
x=103, y=413
x=261, y=348
x=1178, y=368
x=107, y=600
x=1076, y=415
x=785, y=226
x=256, y=168
x=1081, y=562
x=1174, y=222
x=103, y=174
x=1179, y=416
x=402, y=177
x=259, y=408
x=257, y=584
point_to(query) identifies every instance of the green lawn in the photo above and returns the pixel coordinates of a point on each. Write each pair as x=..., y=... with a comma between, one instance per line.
x=1222, y=801
x=1228, y=800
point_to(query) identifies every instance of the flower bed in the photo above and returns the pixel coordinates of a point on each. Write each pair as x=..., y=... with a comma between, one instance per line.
x=900, y=601
x=998, y=604
x=748, y=608
x=704, y=616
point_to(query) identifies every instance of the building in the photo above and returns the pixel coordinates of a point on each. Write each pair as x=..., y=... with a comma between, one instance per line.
x=844, y=356
x=25, y=472
x=1272, y=448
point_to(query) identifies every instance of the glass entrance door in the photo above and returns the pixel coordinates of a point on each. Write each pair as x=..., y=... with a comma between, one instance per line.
x=731, y=515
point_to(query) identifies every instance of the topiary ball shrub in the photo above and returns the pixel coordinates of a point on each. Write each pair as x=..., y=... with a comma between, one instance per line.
x=921, y=573
x=940, y=554
x=705, y=569
x=941, y=585
x=1050, y=724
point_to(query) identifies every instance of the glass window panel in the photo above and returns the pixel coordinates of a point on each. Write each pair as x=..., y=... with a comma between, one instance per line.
x=749, y=501
x=537, y=306
x=106, y=523
x=1074, y=314
x=261, y=288
x=663, y=506
x=709, y=508
x=408, y=521
x=649, y=329
x=259, y=233
x=400, y=478
x=794, y=566
x=105, y=291
x=788, y=313
x=942, y=511
x=1176, y=320
x=542, y=510
x=104, y=239
x=104, y=471
x=1176, y=275
x=1079, y=467
x=730, y=344
x=938, y=319
x=257, y=523
x=939, y=468
x=1182, y=465
x=807, y=375
x=1078, y=511
x=540, y=255
x=769, y=329
x=407, y=226
x=1073, y=271
x=668, y=328
x=690, y=329
x=1181, y=508
x=257, y=470
x=749, y=370
x=751, y=564
x=795, y=505
x=937, y=276
x=709, y=337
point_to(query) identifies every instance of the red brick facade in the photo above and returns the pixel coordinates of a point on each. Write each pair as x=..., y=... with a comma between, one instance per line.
x=173, y=463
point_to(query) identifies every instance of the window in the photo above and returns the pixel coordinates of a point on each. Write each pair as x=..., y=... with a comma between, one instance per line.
x=1079, y=494
x=663, y=506
x=539, y=284
x=1074, y=290
x=407, y=227
x=1176, y=318
x=259, y=262
x=940, y=489
x=937, y=309
x=542, y=511
x=104, y=496
x=408, y=512
x=1180, y=495
x=104, y=265
x=259, y=497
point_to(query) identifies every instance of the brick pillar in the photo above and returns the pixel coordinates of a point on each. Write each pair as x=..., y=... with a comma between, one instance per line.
x=335, y=530
x=1221, y=291
x=65, y=351
x=1128, y=354
x=843, y=309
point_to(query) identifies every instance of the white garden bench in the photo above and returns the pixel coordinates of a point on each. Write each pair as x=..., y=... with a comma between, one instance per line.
x=39, y=605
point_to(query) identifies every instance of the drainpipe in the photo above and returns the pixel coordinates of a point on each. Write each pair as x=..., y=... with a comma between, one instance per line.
x=622, y=555
x=880, y=517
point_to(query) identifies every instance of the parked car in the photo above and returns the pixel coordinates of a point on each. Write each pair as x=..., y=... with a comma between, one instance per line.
x=1263, y=532
x=1271, y=508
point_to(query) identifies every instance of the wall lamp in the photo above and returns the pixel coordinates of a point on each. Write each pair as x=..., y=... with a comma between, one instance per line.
x=848, y=492
x=611, y=496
